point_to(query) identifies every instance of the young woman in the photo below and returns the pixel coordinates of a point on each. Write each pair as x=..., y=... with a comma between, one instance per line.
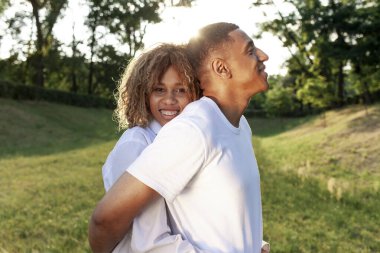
x=155, y=88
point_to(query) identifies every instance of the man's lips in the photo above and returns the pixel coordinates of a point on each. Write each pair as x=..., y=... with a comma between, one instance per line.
x=262, y=68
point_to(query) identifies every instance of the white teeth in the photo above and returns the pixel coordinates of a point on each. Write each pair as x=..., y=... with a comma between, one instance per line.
x=168, y=113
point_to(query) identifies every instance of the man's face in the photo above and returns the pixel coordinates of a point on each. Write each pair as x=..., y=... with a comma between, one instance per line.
x=169, y=97
x=246, y=64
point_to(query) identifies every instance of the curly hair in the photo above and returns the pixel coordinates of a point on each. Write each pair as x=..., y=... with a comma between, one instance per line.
x=209, y=38
x=135, y=85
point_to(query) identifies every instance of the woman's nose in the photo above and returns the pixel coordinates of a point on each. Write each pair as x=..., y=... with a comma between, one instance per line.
x=170, y=97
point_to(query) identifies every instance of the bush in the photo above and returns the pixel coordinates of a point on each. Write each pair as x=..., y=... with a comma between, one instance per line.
x=280, y=102
x=25, y=92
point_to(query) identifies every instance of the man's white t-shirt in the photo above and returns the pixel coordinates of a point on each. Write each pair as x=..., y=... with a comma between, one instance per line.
x=207, y=171
x=150, y=231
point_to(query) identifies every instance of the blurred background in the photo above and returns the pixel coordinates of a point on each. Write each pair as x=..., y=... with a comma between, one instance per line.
x=316, y=131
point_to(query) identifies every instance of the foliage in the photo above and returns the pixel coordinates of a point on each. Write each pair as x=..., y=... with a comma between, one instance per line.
x=12, y=69
x=279, y=101
x=316, y=93
x=330, y=41
x=24, y=92
x=126, y=21
x=116, y=29
x=107, y=70
x=3, y=5
x=51, y=9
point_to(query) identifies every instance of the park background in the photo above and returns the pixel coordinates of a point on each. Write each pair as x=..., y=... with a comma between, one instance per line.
x=316, y=131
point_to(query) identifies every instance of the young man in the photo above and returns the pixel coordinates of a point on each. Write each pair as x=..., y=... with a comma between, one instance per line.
x=202, y=162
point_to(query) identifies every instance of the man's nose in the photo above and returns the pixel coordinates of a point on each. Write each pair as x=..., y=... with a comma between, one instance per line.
x=261, y=55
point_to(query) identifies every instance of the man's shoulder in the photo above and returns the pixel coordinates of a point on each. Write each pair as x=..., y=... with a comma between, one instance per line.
x=196, y=121
x=198, y=110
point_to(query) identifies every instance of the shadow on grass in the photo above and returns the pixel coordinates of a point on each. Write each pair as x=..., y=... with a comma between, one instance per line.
x=368, y=121
x=302, y=215
x=266, y=127
x=29, y=128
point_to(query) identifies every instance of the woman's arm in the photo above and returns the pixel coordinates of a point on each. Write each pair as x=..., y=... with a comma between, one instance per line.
x=115, y=212
x=150, y=228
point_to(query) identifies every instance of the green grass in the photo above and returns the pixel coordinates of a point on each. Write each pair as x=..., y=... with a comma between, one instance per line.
x=36, y=128
x=50, y=174
x=320, y=193
x=319, y=183
x=341, y=149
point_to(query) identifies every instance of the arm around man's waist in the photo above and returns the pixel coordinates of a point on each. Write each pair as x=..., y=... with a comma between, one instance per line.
x=115, y=212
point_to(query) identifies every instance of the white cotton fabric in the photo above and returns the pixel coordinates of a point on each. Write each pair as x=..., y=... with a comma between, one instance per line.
x=150, y=231
x=129, y=146
x=207, y=171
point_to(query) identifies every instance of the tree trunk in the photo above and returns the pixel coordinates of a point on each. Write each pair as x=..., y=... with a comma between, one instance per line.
x=367, y=98
x=39, y=81
x=74, y=85
x=91, y=67
x=340, y=84
x=367, y=93
x=90, y=76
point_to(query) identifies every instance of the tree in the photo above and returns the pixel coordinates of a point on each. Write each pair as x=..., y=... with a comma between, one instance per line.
x=182, y=3
x=44, y=26
x=125, y=20
x=365, y=60
x=107, y=70
x=316, y=93
x=279, y=101
x=3, y=5
x=326, y=39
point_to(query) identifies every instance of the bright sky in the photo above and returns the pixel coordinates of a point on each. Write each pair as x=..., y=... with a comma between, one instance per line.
x=178, y=25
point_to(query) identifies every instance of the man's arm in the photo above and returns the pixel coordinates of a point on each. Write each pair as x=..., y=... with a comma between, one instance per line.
x=115, y=212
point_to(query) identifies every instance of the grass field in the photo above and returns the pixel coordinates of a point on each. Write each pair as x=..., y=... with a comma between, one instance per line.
x=50, y=174
x=320, y=181
x=320, y=178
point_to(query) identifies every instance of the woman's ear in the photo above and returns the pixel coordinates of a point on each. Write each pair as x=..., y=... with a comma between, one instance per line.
x=220, y=68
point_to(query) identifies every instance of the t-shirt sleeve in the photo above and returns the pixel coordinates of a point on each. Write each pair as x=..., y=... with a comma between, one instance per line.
x=172, y=160
x=121, y=158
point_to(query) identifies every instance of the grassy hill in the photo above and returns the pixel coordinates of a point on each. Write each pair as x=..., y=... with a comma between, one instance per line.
x=341, y=148
x=320, y=178
x=50, y=174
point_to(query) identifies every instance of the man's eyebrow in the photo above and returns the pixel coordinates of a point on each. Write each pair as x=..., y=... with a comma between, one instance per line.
x=249, y=46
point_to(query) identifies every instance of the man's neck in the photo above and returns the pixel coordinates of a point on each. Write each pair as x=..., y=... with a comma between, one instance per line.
x=232, y=109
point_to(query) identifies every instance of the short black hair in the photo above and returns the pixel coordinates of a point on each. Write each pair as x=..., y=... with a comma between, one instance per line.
x=209, y=38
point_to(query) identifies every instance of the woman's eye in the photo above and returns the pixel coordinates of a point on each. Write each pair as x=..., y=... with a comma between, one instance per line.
x=158, y=89
x=181, y=90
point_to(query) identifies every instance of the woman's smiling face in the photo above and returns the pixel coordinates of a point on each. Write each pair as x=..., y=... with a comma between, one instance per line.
x=169, y=97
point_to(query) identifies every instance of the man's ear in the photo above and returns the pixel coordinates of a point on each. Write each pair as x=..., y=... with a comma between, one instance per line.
x=220, y=68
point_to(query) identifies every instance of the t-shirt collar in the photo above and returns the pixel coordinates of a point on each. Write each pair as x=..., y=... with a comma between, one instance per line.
x=155, y=126
x=234, y=129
